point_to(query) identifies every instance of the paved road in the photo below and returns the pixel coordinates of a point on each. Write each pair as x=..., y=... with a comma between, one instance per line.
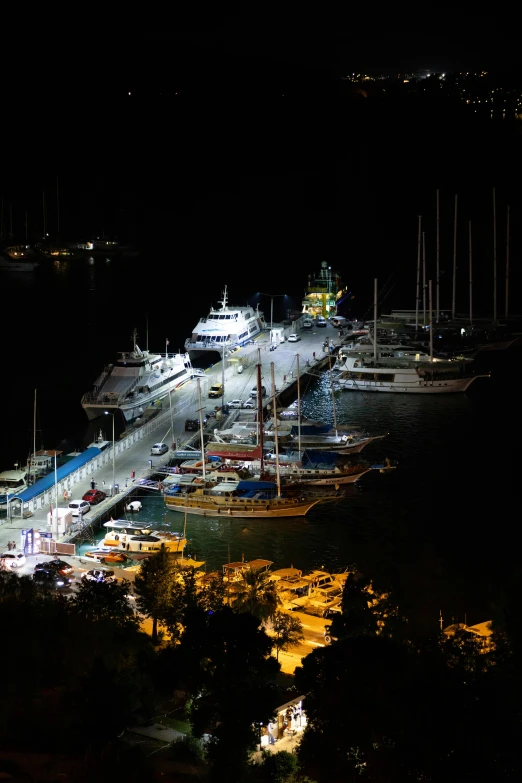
x=185, y=405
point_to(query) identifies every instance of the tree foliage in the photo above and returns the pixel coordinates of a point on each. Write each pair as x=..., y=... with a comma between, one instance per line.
x=288, y=631
x=231, y=681
x=154, y=588
x=106, y=602
x=256, y=593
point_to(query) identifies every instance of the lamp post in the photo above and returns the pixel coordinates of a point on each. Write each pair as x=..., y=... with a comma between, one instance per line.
x=261, y=293
x=107, y=413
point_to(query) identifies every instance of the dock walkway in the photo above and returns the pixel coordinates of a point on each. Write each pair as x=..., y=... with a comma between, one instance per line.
x=168, y=427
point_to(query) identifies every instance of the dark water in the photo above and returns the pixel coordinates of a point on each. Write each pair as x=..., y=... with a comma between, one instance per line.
x=440, y=530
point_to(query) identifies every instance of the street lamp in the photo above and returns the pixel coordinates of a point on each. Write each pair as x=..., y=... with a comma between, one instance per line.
x=107, y=413
x=261, y=293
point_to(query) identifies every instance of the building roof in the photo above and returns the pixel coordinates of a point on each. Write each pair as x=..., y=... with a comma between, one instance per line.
x=63, y=471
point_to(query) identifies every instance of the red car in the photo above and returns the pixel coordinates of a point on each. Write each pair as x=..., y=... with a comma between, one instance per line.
x=94, y=496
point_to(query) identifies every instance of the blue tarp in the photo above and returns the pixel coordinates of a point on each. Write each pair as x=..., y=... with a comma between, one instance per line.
x=63, y=471
x=255, y=485
x=311, y=429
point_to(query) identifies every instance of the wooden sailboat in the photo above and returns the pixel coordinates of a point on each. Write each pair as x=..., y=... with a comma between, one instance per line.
x=244, y=499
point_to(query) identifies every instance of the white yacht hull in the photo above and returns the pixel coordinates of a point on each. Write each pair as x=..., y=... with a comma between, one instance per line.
x=201, y=347
x=332, y=480
x=134, y=408
x=18, y=266
x=339, y=446
x=410, y=387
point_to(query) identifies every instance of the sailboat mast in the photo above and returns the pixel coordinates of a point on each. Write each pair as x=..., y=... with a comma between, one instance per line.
x=34, y=435
x=43, y=213
x=424, y=278
x=418, y=275
x=494, y=257
x=438, y=255
x=200, y=410
x=470, y=278
x=274, y=415
x=375, y=319
x=298, y=406
x=431, y=321
x=56, y=493
x=454, y=299
x=507, y=263
x=260, y=411
x=26, y=226
x=57, y=208
x=147, y=333
x=331, y=384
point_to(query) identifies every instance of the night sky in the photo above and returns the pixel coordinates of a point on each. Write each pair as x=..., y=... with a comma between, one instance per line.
x=236, y=147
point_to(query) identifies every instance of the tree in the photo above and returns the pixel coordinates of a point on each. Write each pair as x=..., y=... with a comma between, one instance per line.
x=288, y=631
x=256, y=593
x=212, y=595
x=153, y=587
x=105, y=602
x=230, y=675
x=279, y=767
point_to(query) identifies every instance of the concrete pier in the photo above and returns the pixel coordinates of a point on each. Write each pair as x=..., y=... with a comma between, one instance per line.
x=132, y=458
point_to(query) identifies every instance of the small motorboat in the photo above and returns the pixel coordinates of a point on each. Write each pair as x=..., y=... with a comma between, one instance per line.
x=107, y=555
x=134, y=505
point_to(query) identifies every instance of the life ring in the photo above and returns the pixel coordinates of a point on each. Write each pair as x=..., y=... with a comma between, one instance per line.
x=356, y=364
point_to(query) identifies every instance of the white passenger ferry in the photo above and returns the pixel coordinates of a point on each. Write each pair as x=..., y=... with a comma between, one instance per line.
x=225, y=328
x=136, y=380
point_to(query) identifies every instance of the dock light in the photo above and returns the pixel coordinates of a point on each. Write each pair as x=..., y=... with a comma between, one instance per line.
x=108, y=413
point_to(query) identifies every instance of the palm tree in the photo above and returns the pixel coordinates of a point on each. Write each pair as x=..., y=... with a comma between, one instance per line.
x=256, y=593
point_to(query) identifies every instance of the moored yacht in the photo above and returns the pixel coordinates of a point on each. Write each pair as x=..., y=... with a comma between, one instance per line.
x=225, y=328
x=136, y=380
x=136, y=537
x=405, y=375
x=18, y=258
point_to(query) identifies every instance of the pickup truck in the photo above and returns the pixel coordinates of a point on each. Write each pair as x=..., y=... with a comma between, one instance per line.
x=216, y=390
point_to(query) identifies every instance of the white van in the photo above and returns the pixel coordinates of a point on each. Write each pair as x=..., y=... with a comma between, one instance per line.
x=307, y=323
x=339, y=321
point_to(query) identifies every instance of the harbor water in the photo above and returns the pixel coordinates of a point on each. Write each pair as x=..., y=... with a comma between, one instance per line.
x=439, y=531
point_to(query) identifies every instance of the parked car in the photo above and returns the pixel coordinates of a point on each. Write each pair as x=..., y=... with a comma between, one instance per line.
x=51, y=580
x=253, y=393
x=94, y=496
x=293, y=338
x=13, y=559
x=158, y=449
x=60, y=566
x=249, y=404
x=216, y=390
x=197, y=372
x=307, y=323
x=79, y=507
x=321, y=321
x=98, y=575
x=236, y=404
x=192, y=425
